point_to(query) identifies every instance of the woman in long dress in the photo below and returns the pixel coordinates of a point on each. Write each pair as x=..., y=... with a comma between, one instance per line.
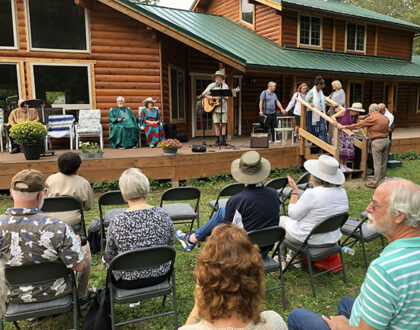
x=124, y=130
x=347, y=116
x=150, y=120
x=315, y=124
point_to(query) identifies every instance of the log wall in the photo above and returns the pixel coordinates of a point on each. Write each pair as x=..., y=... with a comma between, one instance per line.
x=393, y=42
x=229, y=9
x=406, y=115
x=268, y=23
x=289, y=27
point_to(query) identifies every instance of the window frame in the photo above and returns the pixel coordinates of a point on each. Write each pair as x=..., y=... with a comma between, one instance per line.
x=19, y=72
x=418, y=100
x=57, y=50
x=88, y=65
x=363, y=91
x=178, y=69
x=355, y=41
x=15, y=29
x=253, y=15
x=299, y=44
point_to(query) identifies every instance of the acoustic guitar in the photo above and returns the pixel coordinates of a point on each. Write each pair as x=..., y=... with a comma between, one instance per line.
x=210, y=104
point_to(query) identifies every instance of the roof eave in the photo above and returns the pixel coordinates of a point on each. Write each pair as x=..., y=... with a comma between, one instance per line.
x=270, y=3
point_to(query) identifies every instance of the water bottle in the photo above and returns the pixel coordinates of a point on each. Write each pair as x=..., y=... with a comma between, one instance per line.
x=348, y=250
x=279, y=123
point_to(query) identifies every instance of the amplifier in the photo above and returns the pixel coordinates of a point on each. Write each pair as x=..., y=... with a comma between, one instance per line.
x=199, y=148
x=259, y=140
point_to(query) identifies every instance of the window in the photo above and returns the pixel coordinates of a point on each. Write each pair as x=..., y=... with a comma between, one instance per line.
x=418, y=100
x=63, y=85
x=57, y=24
x=247, y=12
x=177, y=92
x=7, y=24
x=310, y=31
x=355, y=37
x=9, y=88
x=356, y=92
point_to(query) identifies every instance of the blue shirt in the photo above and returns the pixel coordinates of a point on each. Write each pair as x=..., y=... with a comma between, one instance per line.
x=269, y=102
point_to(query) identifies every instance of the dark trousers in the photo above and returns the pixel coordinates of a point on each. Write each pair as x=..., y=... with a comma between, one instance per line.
x=12, y=142
x=270, y=123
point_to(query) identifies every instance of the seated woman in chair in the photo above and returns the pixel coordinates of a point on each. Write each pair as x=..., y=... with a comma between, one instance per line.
x=230, y=286
x=140, y=226
x=124, y=130
x=316, y=204
x=150, y=120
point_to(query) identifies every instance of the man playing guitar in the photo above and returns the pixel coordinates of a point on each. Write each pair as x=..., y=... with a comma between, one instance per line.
x=220, y=109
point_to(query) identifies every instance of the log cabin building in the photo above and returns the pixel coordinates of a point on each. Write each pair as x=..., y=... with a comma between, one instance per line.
x=82, y=54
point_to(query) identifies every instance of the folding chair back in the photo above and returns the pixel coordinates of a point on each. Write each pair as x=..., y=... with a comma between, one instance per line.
x=303, y=181
x=137, y=260
x=227, y=191
x=278, y=183
x=64, y=204
x=180, y=194
x=111, y=198
x=36, y=273
x=328, y=225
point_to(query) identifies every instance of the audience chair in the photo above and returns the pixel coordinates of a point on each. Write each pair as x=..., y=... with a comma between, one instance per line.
x=279, y=184
x=36, y=274
x=60, y=126
x=89, y=125
x=64, y=204
x=107, y=199
x=317, y=252
x=266, y=238
x=360, y=232
x=228, y=190
x=182, y=212
x=302, y=183
x=141, y=259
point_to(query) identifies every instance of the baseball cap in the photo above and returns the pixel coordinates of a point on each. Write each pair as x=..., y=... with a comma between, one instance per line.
x=28, y=181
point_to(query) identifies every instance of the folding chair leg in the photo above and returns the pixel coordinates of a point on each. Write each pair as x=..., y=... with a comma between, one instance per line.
x=163, y=301
x=283, y=289
x=175, y=307
x=311, y=275
x=1, y=324
x=364, y=253
x=342, y=265
x=111, y=301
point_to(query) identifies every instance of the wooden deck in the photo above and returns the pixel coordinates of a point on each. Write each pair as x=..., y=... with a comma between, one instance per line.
x=184, y=165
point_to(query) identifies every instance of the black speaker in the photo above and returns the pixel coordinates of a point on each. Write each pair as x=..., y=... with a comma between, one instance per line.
x=170, y=131
x=199, y=148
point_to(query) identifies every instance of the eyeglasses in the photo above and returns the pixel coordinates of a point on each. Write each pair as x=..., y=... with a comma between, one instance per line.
x=375, y=204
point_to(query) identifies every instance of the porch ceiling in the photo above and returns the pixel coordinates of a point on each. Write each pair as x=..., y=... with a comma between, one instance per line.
x=256, y=52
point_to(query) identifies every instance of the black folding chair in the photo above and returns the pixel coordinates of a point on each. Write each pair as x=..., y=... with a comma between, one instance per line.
x=361, y=233
x=107, y=199
x=302, y=183
x=36, y=275
x=317, y=252
x=229, y=190
x=279, y=184
x=266, y=238
x=182, y=212
x=137, y=260
x=60, y=204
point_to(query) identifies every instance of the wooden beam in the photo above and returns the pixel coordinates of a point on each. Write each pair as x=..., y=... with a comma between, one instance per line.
x=391, y=98
x=84, y=3
x=375, y=50
x=334, y=36
x=92, y=85
x=270, y=3
x=22, y=80
x=294, y=84
x=280, y=30
x=231, y=109
x=161, y=81
x=171, y=32
x=324, y=145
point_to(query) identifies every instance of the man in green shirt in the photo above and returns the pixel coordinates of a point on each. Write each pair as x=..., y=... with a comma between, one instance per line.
x=390, y=295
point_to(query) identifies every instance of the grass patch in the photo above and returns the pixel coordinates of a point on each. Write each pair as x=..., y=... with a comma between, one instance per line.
x=329, y=287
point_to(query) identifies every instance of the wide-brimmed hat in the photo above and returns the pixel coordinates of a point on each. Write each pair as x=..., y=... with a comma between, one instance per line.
x=218, y=73
x=357, y=106
x=28, y=181
x=251, y=168
x=325, y=168
x=148, y=100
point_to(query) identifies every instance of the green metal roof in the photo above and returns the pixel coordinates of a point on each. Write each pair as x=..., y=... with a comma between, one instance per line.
x=337, y=7
x=255, y=51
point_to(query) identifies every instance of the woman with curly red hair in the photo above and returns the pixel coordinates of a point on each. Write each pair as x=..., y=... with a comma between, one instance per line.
x=230, y=285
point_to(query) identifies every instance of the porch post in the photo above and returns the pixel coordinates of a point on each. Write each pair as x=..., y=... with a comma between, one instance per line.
x=391, y=97
x=231, y=110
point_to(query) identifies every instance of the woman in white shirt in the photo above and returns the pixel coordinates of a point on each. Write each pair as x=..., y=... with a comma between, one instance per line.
x=316, y=204
x=296, y=106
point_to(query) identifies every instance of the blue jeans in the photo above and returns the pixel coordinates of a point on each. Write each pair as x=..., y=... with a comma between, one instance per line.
x=302, y=319
x=204, y=231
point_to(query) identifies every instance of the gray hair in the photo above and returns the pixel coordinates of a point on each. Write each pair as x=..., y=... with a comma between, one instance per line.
x=271, y=83
x=24, y=196
x=337, y=83
x=120, y=97
x=406, y=199
x=134, y=184
x=374, y=107
x=316, y=182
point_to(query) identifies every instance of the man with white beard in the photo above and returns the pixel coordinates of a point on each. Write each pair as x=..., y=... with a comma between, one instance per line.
x=29, y=236
x=390, y=294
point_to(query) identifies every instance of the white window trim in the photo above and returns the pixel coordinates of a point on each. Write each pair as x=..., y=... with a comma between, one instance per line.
x=355, y=40
x=66, y=106
x=15, y=30
x=253, y=15
x=320, y=32
x=19, y=82
x=182, y=120
x=418, y=100
x=57, y=50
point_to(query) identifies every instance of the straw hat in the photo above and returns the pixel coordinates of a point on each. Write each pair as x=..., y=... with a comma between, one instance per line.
x=251, y=168
x=149, y=99
x=325, y=168
x=218, y=73
x=357, y=107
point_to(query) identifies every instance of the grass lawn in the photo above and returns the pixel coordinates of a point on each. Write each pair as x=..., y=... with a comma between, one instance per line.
x=330, y=287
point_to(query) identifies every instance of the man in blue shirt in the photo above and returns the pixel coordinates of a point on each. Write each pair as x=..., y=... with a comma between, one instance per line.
x=267, y=106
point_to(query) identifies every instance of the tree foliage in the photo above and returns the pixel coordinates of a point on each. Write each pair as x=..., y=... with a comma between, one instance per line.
x=147, y=2
x=408, y=10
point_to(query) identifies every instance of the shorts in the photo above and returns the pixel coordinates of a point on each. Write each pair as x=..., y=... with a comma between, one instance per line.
x=297, y=119
x=219, y=117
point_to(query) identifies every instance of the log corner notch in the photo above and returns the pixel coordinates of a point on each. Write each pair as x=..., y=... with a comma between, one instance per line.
x=84, y=3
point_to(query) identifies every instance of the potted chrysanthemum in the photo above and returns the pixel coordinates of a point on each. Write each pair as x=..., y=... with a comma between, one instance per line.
x=90, y=150
x=31, y=135
x=170, y=146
